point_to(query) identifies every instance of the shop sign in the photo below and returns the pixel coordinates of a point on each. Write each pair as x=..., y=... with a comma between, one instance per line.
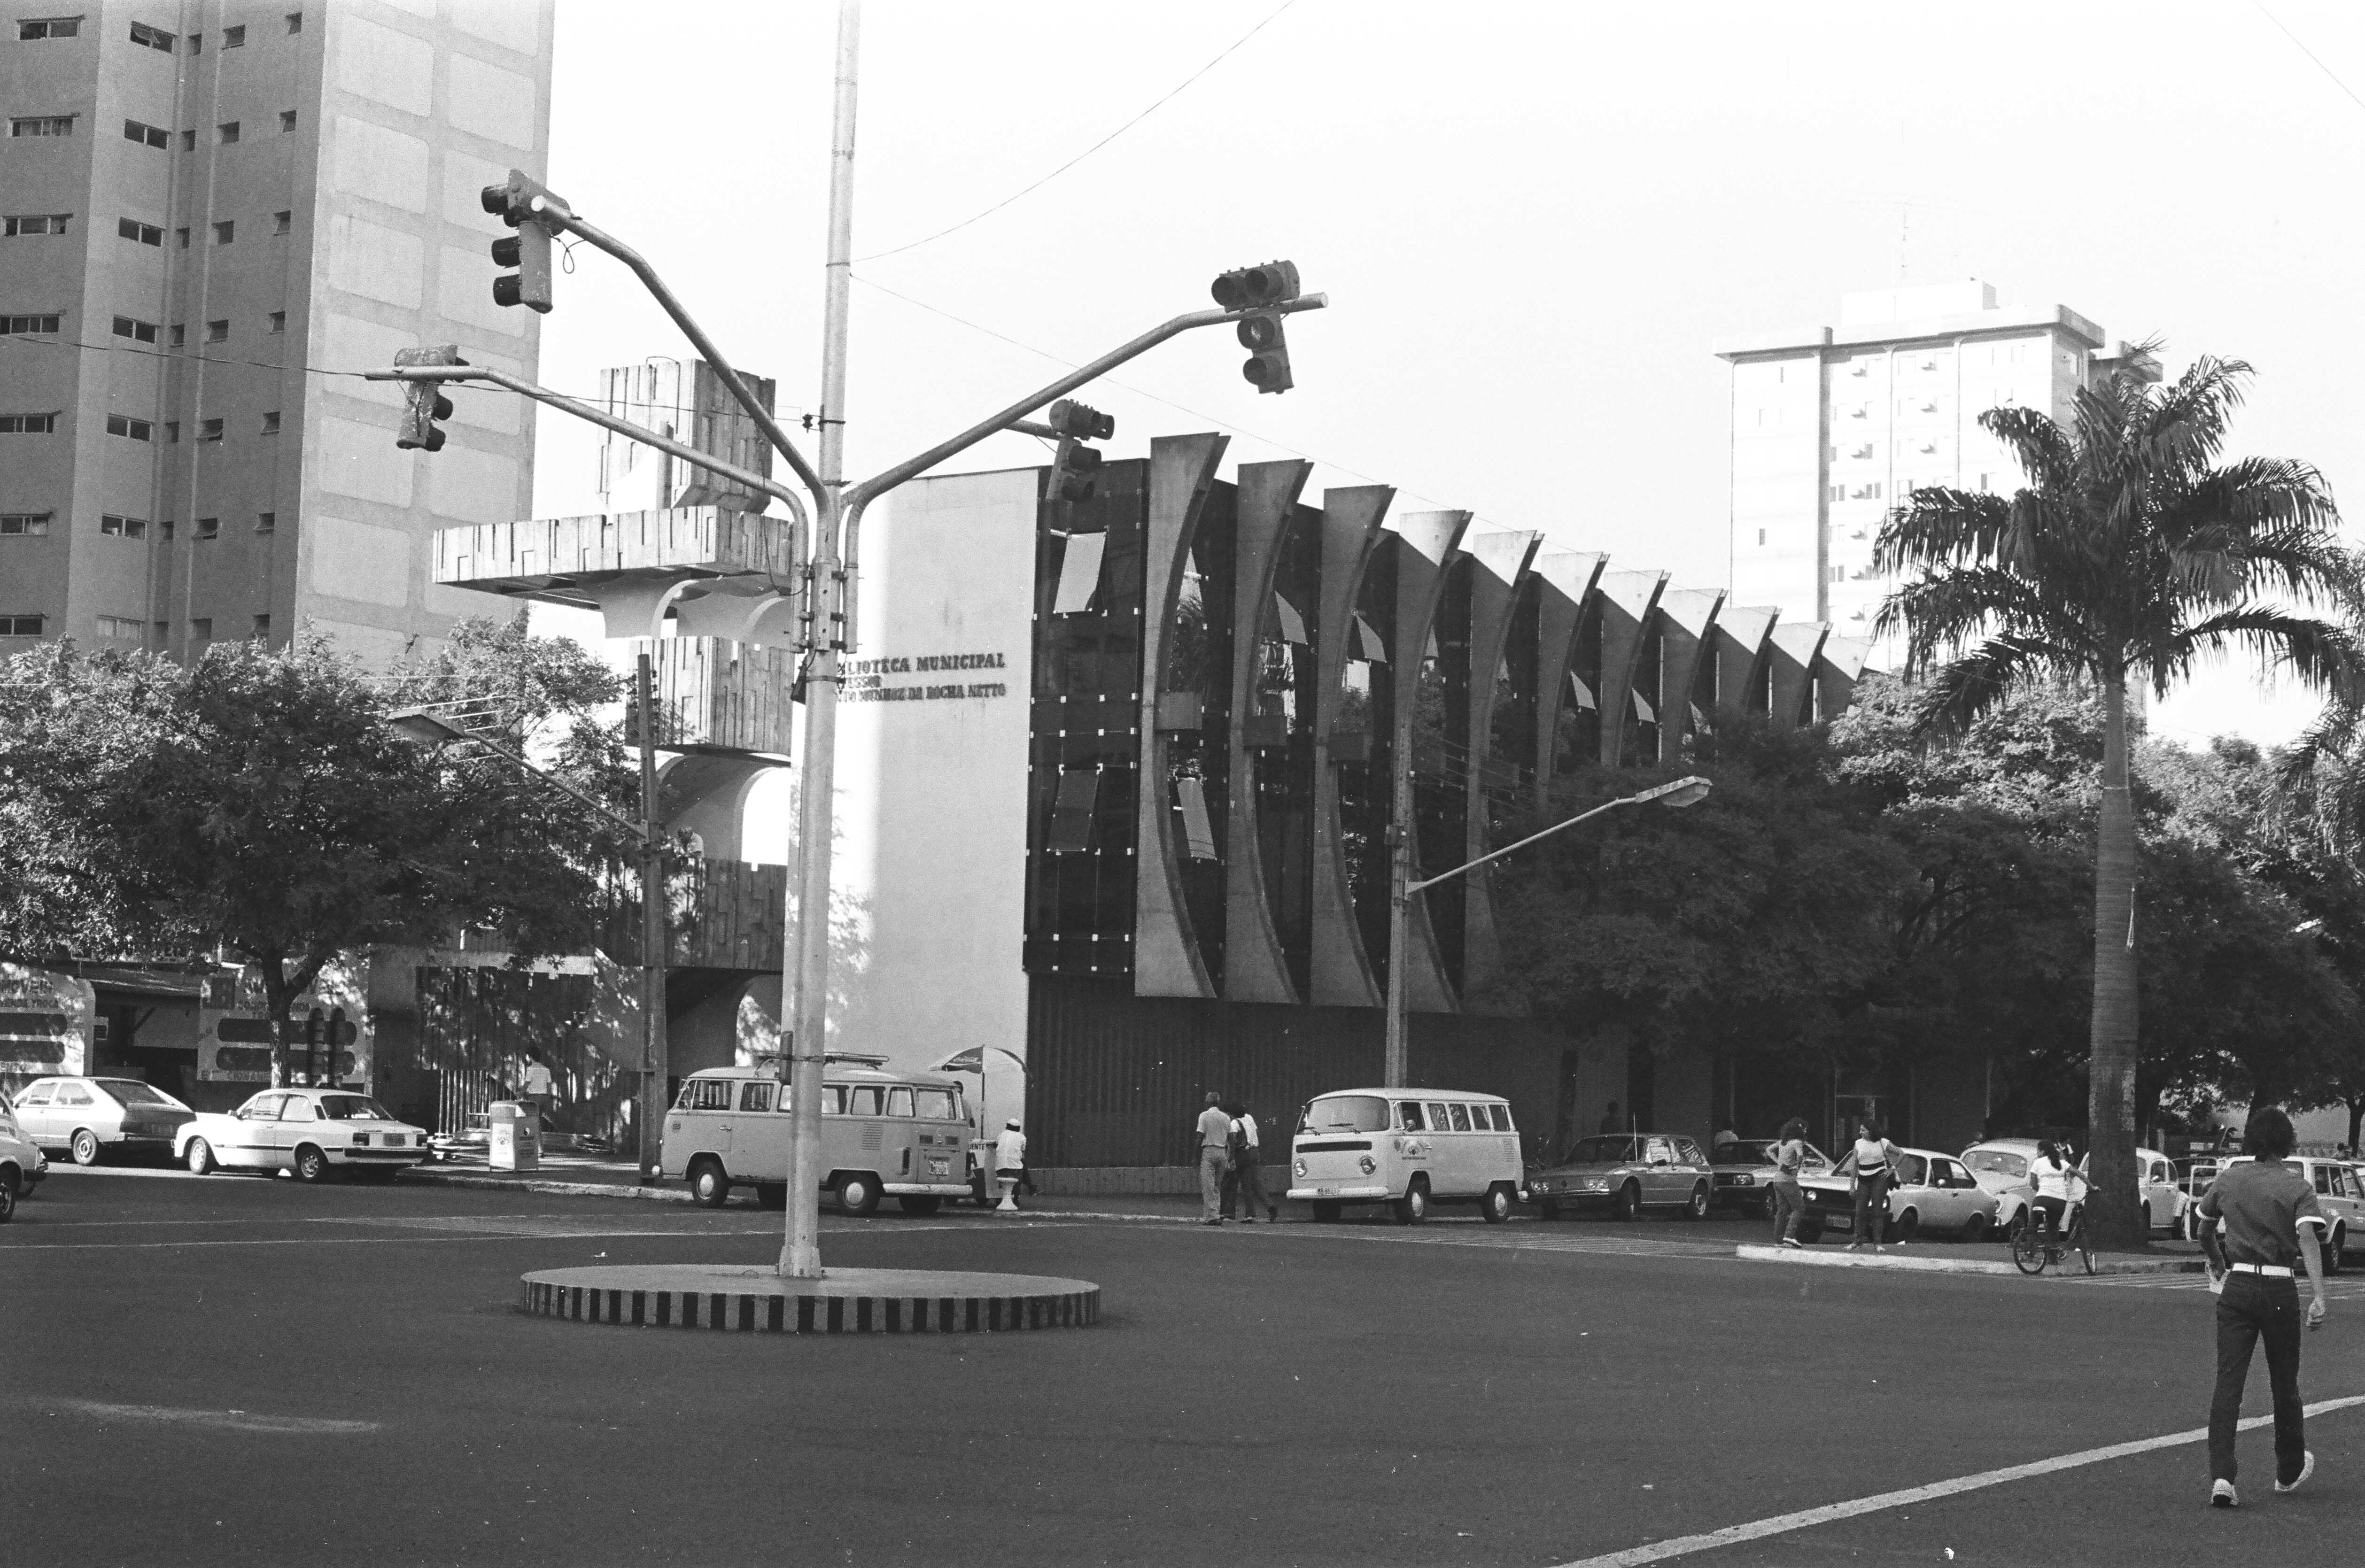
x=46, y=1021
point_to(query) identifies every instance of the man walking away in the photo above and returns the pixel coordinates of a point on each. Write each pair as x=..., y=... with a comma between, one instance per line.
x=1790, y=1198
x=2271, y=1216
x=1248, y=1166
x=1215, y=1131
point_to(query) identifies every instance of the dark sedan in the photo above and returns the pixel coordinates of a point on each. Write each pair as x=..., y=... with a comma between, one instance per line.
x=1743, y=1174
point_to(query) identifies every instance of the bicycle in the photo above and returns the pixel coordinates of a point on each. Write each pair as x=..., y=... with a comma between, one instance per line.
x=2032, y=1251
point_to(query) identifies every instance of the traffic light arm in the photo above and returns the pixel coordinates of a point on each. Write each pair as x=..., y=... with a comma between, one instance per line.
x=642, y=833
x=704, y=344
x=600, y=417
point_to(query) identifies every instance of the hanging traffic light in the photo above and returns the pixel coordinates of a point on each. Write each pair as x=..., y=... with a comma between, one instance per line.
x=1075, y=470
x=1251, y=289
x=426, y=401
x=536, y=215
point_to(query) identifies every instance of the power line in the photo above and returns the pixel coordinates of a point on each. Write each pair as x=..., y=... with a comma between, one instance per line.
x=2319, y=65
x=1088, y=151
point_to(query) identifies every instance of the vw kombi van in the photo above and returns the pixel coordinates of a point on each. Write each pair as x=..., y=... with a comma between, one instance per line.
x=902, y=1134
x=1406, y=1148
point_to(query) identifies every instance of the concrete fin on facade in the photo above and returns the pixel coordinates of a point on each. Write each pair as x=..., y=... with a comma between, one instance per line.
x=1792, y=651
x=1741, y=641
x=1427, y=544
x=1626, y=603
x=1167, y=960
x=1568, y=582
x=1499, y=568
x=1343, y=975
x=1254, y=967
x=1838, y=666
x=1687, y=633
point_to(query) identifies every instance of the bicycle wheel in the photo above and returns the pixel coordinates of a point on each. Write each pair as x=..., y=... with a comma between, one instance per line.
x=2028, y=1245
x=2078, y=1239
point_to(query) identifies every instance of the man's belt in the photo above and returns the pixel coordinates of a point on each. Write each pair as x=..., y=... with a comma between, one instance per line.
x=2271, y=1271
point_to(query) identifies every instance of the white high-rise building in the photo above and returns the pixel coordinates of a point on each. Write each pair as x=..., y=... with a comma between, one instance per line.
x=1833, y=426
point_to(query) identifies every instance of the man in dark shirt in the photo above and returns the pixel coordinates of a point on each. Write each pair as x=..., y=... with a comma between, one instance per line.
x=2271, y=1219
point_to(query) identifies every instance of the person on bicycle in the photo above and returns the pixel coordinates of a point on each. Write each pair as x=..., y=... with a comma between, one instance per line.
x=2054, y=1184
x=2271, y=1218
x=1876, y=1169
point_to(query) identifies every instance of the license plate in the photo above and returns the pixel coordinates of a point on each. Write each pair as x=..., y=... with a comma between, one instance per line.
x=1324, y=1191
x=938, y=1168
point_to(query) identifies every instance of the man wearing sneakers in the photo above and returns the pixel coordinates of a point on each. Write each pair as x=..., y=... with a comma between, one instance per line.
x=2271, y=1218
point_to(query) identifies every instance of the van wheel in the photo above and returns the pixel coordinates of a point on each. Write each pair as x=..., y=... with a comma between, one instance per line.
x=918, y=1203
x=708, y=1183
x=1496, y=1204
x=1629, y=1205
x=858, y=1193
x=1697, y=1207
x=1325, y=1211
x=200, y=1156
x=310, y=1165
x=1413, y=1207
x=84, y=1147
x=771, y=1195
x=1975, y=1229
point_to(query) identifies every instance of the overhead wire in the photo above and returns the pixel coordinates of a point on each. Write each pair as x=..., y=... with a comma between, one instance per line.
x=2311, y=54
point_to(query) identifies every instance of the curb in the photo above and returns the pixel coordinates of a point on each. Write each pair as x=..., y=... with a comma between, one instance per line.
x=849, y=1301
x=681, y=1195
x=1754, y=1253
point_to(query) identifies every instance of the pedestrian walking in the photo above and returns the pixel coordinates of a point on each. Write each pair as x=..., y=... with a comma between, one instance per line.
x=2273, y=1220
x=1010, y=1158
x=1876, y=1167
x=1213, y=1135
x=1247, y=1149
x=539, y=1088
x=1790, y=1198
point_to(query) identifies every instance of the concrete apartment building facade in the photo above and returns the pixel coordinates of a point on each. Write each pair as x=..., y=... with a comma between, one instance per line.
x=1833, y=426
x=212, y=207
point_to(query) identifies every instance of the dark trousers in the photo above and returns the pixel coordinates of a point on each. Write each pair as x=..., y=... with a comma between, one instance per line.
x=2252, y=1308
x=1248, y=1185
x=1871, y=1207
x=1789, y=1208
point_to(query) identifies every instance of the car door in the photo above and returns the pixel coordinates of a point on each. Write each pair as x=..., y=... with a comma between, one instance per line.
x=297, y=1122
x=250, y=1142
x=33, y=1112
x=1693, y=1167
x=1913, y=1189
x=1659, y=1173
x=1955, y=1197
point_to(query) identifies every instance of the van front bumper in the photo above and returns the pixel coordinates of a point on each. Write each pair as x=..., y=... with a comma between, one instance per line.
x=1324, y=1194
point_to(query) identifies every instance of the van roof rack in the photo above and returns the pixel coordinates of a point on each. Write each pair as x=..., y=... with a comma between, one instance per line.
x=858, y=1058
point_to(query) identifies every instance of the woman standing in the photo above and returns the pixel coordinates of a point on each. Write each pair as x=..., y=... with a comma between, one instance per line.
x=1790, y=1198
x=1875, y=1168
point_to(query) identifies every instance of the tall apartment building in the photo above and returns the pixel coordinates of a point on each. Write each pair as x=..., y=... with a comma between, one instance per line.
x=212, y=209
x=1833, y=426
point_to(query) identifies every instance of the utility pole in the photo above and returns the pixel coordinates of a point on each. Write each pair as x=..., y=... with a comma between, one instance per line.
x=653, y=943
x=1397, y=1062
x=830, y=597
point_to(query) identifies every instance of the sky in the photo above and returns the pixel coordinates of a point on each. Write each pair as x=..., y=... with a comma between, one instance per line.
x=1533, y=221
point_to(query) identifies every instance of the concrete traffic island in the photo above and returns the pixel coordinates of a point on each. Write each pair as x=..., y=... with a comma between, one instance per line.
x=846, y=1300
x=1938, y=1263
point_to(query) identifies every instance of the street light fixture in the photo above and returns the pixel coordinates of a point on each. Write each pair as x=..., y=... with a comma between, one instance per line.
x=1676, y=793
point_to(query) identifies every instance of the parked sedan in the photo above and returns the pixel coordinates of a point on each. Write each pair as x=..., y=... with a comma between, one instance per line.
x=1625, y=1174
x=22, y=1165
x=310, y=1132
x=1933, y=1192
x=2339, y=1192
x=92, y=1117
x=2002, y=1165
x=1742, y=1174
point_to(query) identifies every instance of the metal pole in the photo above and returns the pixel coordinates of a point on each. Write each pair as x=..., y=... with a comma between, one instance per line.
x=1398, y=1064
x=831, y=597
x=653, y=954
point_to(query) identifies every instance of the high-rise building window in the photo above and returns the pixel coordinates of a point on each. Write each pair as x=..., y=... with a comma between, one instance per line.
x=225, y=232
x=218, y=331
x=20, y=625
x=42, y=124
x=165, y=529
x=177, y=335
x=29, y=424
x=123, y=527
x=147, y=135
x=286, y=121
x=227, y=132
x=35, y=325
x=121, y=629
x=183, y=235
x=130, y=427
x=294, y=21
x=1761, y=536
x=14, y=524
x=233, y=38
x=49, y=28
x=132, y=228
x=33, y=223
x=279, y=320
x=201, y=627
x=153, y=37
x=271, y=424
x=208, y=527
x=262, y=626
x=189, y=143
x=209, y=430
x=283, y=222
x=138, y=331
x=266, y=522
x=172, y=438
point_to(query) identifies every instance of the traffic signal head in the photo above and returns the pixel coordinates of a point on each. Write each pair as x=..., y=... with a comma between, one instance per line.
x=1267, y=368
x=1269, y=284
x=536, y=215
x=425, y=402
x=1074, y=420
x=1254, y=289
x=1075, y=473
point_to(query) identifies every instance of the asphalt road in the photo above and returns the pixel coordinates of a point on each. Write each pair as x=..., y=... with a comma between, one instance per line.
x=240, y=1370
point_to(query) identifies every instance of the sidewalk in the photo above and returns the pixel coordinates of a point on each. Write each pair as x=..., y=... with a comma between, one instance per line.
x=1966, y=1260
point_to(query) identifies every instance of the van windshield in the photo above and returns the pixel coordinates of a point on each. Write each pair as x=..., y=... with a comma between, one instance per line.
x=1347, y=1114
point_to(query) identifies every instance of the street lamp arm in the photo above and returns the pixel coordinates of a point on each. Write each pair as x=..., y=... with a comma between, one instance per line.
x=641, y=834
x=1471, y=866
x=599, y=417
x=700, y=341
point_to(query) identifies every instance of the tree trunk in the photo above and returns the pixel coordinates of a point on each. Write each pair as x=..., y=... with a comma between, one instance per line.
x=2356, y=1115
x=278, y=996
x=2112, y=1033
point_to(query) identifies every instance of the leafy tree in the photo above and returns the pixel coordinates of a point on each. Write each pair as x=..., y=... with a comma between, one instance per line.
x=255, y=801
x=2129, y=554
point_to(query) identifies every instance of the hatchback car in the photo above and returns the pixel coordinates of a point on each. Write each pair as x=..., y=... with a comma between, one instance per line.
x=2001, y=1165
x=1742, y=1173
x=1625, y=1174
x=92, y=1118
x=310, y=1132
x=22, y=1164
x=1933, y=1192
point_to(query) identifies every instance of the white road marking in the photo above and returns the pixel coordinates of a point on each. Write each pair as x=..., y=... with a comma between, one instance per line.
x=230, y=1420
x=1807, y=1518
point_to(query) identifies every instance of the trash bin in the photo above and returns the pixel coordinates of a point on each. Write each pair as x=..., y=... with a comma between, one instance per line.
x=514, y=1137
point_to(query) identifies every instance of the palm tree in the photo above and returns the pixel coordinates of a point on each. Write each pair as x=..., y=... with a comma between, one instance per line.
x=2128, y=555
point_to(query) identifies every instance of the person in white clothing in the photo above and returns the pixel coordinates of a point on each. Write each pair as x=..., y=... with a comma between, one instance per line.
x=538, y=1088
x=1010, y=1157
x=2054, y=1184
x=1876, y=1171
x=1248, y=1168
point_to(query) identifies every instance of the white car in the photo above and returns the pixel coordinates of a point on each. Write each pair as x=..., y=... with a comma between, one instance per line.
x=2001, y=1165
x=308, y=1132
x=22, y=1164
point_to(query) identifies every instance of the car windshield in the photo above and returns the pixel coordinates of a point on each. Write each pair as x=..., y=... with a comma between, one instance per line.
x=1347, y=1114
x=352, y=1108
x=1997, y=1161
x=132, y=1091
x=1598, y=1151
x=1748, y=1151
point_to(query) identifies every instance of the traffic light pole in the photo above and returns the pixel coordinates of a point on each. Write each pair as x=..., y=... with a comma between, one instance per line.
x=651, y=1147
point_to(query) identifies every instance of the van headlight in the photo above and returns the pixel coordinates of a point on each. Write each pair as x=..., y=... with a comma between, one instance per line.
x=1366, y=1165
x=1300, y=1167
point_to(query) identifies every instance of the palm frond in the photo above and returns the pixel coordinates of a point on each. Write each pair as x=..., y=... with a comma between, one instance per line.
x=1940, y=526
x=1968, y=688
x=2323, y=654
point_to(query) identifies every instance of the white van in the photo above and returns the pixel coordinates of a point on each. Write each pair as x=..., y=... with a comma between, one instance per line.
x=904, y=1134
x=1408, y=1148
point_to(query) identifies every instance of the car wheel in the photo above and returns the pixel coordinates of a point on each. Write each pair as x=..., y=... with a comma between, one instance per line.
x=1325, y=1211
x=1770, y=1206
x=7, y=1196
x=922, y=1204
x=312, y=1165
x=1809, y=1232
x=2335, y=1249
x=1629, y=1206
x=1905, y=1226
x=84, y=1147
x=859, y=1194
x=1697, y=1207
x=1975, y=1229
x=710, y=1184
x=1496, y=1204
x=1413, y=1207
x=201, y=1158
